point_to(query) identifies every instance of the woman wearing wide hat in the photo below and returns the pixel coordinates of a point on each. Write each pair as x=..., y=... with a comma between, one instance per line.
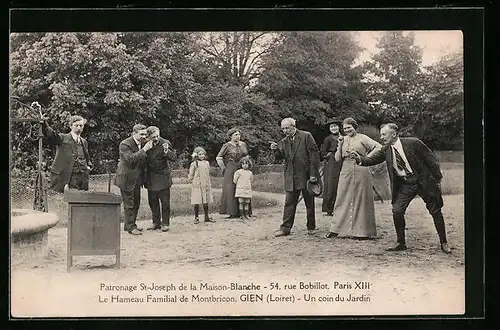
x=331, y=168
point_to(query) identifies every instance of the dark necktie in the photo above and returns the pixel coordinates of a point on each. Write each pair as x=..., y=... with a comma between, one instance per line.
x=400, y=162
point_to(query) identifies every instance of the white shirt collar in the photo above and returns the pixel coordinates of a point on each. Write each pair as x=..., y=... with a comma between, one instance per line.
x=398, y=144
x=75, y=137
x=136, y=142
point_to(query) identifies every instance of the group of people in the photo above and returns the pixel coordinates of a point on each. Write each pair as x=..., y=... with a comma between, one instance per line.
x=144, y=162
x=347, y=184
x=413, y=170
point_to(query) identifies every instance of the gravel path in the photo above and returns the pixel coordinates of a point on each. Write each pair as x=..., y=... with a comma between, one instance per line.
x=421, y=280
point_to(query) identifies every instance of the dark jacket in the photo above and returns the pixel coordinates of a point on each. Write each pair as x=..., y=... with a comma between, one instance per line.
x=329, y=146
x=422, y=160
x=130, y=171
x=301, y=159
x=158, y=175
x=66, y=152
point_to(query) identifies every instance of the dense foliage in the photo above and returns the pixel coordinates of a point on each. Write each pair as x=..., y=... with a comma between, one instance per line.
x=195, y=86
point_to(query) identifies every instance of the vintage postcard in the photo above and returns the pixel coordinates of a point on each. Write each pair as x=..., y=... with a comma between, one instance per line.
x=237, y=173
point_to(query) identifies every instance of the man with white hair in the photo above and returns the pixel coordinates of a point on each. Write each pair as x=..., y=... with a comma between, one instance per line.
x=301, y=155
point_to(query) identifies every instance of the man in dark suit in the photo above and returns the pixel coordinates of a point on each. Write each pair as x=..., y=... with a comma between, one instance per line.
x=301, y=155
x=72, y=163
x=130, y=175
x=159, y=179
x=413, y=170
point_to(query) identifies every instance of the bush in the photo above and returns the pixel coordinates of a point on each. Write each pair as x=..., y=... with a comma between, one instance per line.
x=272, y=181
x=369, y=130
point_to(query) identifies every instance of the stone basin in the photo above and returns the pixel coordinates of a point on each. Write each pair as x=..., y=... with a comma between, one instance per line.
x=29, y=233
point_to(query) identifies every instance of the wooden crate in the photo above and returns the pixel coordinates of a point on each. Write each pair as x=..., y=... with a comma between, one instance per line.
x=93, y=224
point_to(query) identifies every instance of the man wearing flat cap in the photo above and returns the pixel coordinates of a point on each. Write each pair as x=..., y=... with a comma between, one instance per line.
x=301, y=155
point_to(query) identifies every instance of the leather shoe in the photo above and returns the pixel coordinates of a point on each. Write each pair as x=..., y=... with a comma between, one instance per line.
x=331, y=234
x=280, y=233
x=445, y=248
x=311, y=231
x=209, y=220
x=154, y=227
x=135, y=231
x=399, y=247
x=164, y=228
x=139, y=229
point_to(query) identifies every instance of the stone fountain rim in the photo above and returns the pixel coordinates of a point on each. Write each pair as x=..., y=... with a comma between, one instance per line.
x=44, y=221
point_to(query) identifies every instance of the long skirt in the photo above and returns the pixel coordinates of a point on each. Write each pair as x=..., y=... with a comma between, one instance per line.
x=354, y=211
x=331, y=174
x=228, y=202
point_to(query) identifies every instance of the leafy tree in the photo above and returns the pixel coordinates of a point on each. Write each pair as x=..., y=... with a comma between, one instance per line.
x=443, y=117
x=395, y=80
x=237, y=55
x=426, y=102
x=311, y=76
x=195, y=86
x=89, y=74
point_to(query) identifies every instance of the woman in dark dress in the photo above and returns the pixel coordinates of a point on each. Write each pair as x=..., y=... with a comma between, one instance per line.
x=228, y=160
x=331, y=169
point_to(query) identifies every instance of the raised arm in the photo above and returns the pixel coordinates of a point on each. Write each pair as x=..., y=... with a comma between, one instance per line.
x=52, y=136
x=170, y=154
x=338, y=152
x=370, y=145
x=129, y=155
x=279, y=153
x=376, y=157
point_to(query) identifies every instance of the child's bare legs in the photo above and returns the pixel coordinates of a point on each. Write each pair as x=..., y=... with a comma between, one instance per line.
x=246, y=208
x=241, y=205
x=207, y=217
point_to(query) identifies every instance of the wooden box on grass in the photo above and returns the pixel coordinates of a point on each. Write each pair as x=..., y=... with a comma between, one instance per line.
x=93, y=224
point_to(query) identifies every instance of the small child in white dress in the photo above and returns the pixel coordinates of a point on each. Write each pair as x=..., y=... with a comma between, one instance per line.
x=201, y=187
x=243, y=179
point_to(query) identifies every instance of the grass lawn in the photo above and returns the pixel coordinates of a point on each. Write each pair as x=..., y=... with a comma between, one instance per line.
x=452, y=184
x=180, y=203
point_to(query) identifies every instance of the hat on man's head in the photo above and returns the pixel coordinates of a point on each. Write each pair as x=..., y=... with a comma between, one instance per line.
x=314, y=188
x=333, y=120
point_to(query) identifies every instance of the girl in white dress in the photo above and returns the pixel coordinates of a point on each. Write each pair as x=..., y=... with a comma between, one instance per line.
x=201, y=186
x=243, y=181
